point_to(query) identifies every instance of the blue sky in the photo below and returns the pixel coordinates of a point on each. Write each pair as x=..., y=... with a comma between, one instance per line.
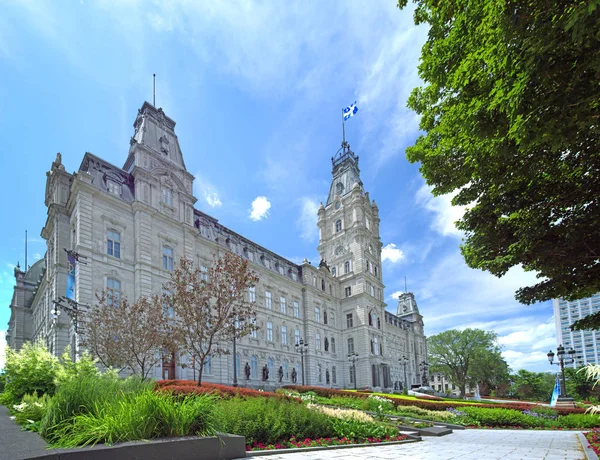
x=256, y=89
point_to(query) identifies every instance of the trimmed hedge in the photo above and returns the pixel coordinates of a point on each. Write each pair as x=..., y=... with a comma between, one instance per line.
x=423, y=404
x=189, y=387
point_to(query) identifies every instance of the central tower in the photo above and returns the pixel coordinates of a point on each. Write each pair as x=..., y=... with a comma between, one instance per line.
x=350, y=243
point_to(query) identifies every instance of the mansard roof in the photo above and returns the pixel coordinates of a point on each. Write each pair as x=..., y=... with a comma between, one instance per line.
x=102, y=172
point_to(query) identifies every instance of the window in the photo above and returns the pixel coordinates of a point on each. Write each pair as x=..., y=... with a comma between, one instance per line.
x=283, y=306
x=332, y=319
x=253, y=367
x=338, y=226
x=348, y=291
x=252, y=294
x=320, y=372
x=113, y=244
x=207, y=369
x=372, y=347
x=322, y=285
x=296, y=309
x=367, y=222
x=167, y=253
x=284, y=335
x=253, y=333
x=113, y=188
x=333, y=345
x=268, y=300
x=349, y=320
x=375, y=270
x=368, y=266
x=326, y=344
x=372, y=290
x=333, y=374
x=297, y=337
x=317, y=315
x=168, y=310
x=113, y=292
x=378, y=323
x=350, y=345
x=167, y=196
x=269, y=331
x=347, y=267
x=324, y=317
x=318, y=342
x=333, y=271
x=203, y=273
x=370, y=319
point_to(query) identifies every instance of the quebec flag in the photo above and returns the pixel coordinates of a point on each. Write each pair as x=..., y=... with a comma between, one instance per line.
x=555, y=393
x=350, y=111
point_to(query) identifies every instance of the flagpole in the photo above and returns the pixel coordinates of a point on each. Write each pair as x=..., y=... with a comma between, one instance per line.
x=343, y=129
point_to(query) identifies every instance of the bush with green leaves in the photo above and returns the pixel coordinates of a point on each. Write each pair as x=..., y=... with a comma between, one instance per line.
x=69, y=369
x=360, y=431
x=30, y=370
x=268, y=420
x=577, y=421
x=30, y=411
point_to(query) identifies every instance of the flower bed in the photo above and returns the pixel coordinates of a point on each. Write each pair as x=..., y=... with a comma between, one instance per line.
x=190, y=387
x=294, y=443
x=593, y=437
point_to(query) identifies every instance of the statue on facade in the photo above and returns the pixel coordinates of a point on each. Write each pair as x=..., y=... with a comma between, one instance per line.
x=265, y=372
x=396, y=385
x=247, y=370
x=294, y=375
x=280, y=373
x=327, y=376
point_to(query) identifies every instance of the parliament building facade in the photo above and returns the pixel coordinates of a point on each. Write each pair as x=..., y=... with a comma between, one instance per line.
x=130, y=225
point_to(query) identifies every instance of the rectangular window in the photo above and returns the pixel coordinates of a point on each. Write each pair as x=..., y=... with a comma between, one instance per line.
x=252, y=294
x=333, y=271
x=372, y=291
x=253, y=334
x=284, y=335
x=350, y=345
x=297, y=337
x=296, y=309
x=268, y=303
x=347, y=266
x=283, y=305
x=207, y=369
x=349, y=320
x=113, y=244
x=204, y=273
x=167, y=253
x=270, y=331
x=317, y=315
x=113, y=292
x=348, y=291
x=167, y=196
x=332, y=345
x=375, y=270
x=318, y=342
x=113, y=187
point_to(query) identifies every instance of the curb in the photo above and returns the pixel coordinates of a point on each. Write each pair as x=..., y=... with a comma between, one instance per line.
x=258, y=453
x=588, y=451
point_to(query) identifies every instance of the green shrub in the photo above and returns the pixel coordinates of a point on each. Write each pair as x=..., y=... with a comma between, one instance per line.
x=31, y=369
x=68, y=369
x=31, y=410
x=88, y=395
x=268, y=421
x=360, y=431
x=144, y=415
x=499, y=417
x=579, y=421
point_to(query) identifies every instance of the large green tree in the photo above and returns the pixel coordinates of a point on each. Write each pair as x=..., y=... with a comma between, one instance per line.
x=536, y=386
x=510, y=114
x=462, y=356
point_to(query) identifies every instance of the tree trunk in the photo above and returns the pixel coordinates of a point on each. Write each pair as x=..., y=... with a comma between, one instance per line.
x=200, y=372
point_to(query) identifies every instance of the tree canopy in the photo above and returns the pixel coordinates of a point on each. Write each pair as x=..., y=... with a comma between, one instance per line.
x=510, y=118
x=467, y=357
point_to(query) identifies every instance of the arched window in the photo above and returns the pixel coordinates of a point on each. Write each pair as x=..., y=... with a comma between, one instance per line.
x=270, y=365
x=333, y=345
x=338, y=226
x=254, y=366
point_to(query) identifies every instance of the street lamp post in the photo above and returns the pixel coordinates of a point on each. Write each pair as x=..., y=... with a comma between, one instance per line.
x=560, y=353
x=352, y=357
x=403, y=362
x=424, y=367
x=302, y=348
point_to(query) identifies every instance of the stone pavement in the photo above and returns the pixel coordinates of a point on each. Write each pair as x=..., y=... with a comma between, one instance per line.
x=464, y=445
x=16, y=444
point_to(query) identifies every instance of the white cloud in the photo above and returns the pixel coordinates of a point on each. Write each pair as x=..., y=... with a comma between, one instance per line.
x=445, y=214
x=392, y=253
x=396, y=295
x=2, y=349
x=531, y=360
x=260, y=208
x=307, y=222
x=207, y=190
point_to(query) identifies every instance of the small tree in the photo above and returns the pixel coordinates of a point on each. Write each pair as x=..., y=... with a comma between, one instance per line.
x=128, y=335
x=208, y=305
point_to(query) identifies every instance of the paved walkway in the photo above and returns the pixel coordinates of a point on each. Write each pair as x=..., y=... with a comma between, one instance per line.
x=16, y=444
x=464, y=445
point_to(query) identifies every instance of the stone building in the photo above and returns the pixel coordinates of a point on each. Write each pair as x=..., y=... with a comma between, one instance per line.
x=130, y=225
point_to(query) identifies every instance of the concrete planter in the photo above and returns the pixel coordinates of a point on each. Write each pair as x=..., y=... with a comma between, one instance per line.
x=221, y=447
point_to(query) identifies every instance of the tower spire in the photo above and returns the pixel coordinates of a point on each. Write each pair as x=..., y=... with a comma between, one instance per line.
x=154, y=89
